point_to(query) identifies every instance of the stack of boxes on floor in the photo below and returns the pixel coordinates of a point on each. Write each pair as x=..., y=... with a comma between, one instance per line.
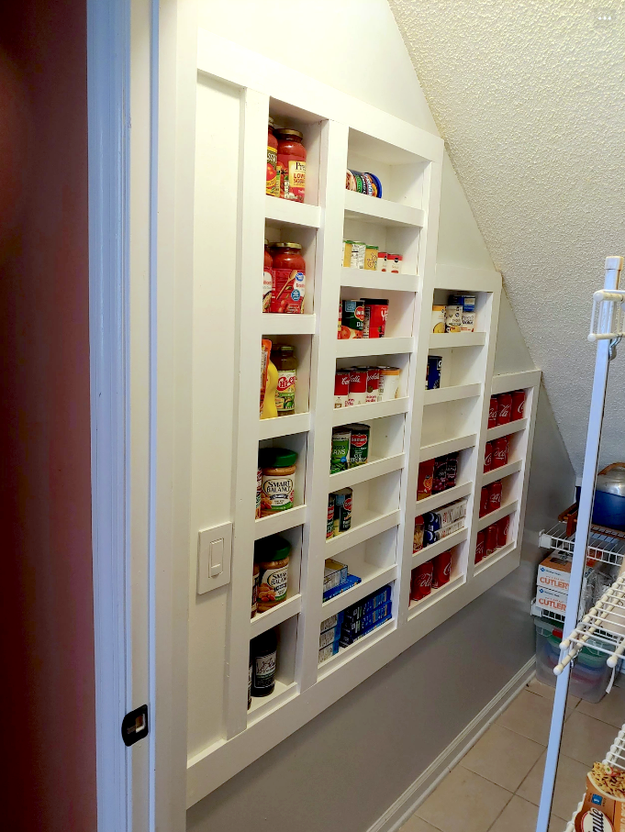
x=356, y=621
x=552, y=583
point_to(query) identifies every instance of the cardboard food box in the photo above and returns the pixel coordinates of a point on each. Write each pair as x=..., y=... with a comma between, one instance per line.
x=552, y=601
x=554, y=573
x=600, y=812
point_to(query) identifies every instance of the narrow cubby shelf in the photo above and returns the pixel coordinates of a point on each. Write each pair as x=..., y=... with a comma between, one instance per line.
x=373, y=577
x=276, y=324
x=382, y=211
x=442, y=545
x=497, y=555
x=368, y=471
x=447, y=446
x=436, y=595
x=359, y=347
x=284, y=212
x=373, y=410
x=371, y=525
x=347, y=653
x=263, y=705
x=452, y=394
x=451, y=340
x=279, y=522
x=283, y=426
x=378, y=281
x=499, y=473
x=443, y=498
x=493, y=516
x=264, y=621
x=506, y=430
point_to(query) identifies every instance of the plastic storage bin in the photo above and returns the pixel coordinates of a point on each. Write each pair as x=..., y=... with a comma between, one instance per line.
x=590, y=675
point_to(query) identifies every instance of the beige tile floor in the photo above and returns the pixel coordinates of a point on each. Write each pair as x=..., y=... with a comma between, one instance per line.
x=496, y=786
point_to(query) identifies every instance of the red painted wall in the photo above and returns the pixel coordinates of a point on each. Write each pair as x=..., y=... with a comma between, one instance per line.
x=47, y=731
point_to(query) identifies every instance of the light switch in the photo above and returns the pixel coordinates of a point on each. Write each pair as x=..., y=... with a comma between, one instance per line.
x=214, y=551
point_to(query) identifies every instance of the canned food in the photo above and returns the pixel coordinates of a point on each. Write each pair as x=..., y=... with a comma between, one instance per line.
x=441, y=573
x=500, y=452
x=438, y=318
x=388, y=383
x=339, y=458
x=492, y=539
x=341, y=388
x=451, y=474
x=504, y=413
x=453, y=314
x=494, y=496
x=352, y=319
x=359, y=445
x=430, y=536
x=468, y=313
x=439, y=482
x=488, y=456
x=376, y=311
x=435, y=365
x=424, y=479
x=371, y=258
x=503, y=527
x=382, y=259
x=330, y=522
x=518, y=405
x=493, y=410
x=357, y=386
x=342, y=510
x=484, y=501
x=480, y=546
x=432, y=520
x=373, y=383
x=421, y=581
x=419, y=527
x=394, y=263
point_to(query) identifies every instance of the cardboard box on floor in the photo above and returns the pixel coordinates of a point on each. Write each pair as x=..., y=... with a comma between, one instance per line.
x=600, y=811
x=554, y=573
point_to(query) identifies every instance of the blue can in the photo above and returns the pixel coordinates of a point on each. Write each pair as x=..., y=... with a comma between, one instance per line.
x=432, y=520
x=435, y=364
x=429, y=537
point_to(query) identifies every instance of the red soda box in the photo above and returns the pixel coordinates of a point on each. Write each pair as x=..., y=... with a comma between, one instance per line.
x=421, y=581
x=488, y=456
x=439, y=482
x=494, y=496
x=493, y=410
x=424, y=479
x=442, y=570
x=480, y=546
x=500, y=452
x=504, y=413
x=518, y=405
x=484, y=501
x=492, y=539
x=503, y=527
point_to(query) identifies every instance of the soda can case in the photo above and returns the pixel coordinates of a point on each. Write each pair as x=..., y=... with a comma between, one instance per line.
x=488, y=457
x=494, y=496
x=504, y=411
x=425, y=479
x=492, y=539
x=439, y=481
x=500, y=452
x=518, y=405
x=441, y=574
x=421, y=581
x=493, y=410
x=451, y=472
x=480, y=546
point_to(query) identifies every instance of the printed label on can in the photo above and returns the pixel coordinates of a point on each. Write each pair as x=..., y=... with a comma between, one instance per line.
x=359, y=447
x=272, y=186
x=330, y=519
x=339, y=457
x=295, y=180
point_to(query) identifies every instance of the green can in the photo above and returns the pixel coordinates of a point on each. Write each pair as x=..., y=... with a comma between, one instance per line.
x=358, y=444
x=339, y=459
x=342, y=510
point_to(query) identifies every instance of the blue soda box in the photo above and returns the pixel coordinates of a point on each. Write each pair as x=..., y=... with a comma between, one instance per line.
x=368, y=604
x=327, y=652
x=351, y=581
x=333, y=621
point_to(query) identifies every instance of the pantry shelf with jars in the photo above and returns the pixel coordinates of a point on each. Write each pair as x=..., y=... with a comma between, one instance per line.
x=352, y=441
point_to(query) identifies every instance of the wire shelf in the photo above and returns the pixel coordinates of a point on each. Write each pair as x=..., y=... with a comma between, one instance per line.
x=603, y=547
x=616, y=758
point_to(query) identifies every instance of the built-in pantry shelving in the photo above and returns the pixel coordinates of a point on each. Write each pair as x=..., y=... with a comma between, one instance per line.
x=417, y=426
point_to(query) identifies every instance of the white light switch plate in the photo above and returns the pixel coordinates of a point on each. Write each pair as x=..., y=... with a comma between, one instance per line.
x=214, y=553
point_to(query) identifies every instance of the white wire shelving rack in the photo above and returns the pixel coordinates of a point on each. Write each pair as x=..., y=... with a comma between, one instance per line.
x=604, y=546
x=615, y=758
x=605, y=622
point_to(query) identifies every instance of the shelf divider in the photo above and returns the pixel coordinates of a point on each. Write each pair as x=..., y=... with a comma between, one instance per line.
x=286, y=212
x=365, y=412
x=499, y=473
x=368, y=471
x=358, y=347
x=381, y=211
x=447, y=446
x=373, y=525
x=379, y=281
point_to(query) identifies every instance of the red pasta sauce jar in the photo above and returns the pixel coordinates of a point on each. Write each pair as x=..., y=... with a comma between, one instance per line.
x=291, y=164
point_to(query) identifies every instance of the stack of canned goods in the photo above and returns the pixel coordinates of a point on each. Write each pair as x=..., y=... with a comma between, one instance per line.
x=350, y=447
x=457, y=316
x=363, y=385
x=339, y=512
x=433, y=574
x=363, y=183
x=492, y=538
x=436, y=475
x=359, y=255
x=433, y=526
x=362, y=318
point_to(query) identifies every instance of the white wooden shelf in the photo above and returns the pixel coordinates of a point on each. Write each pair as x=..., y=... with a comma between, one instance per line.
x=283, y=426
x=279, y=522
x=366, y=412
x=378, y=281
x=346, y=654
x=447, y=446
x=286, y=212
x=506, y=430
x=434, y=549
x=494, y=516
x=263, y=705
x=368, y=471
x=435, y=597
x=371, y=581
x=381, y=211
x=358, y=347
x=264, y=621
x=276, y=324
x=451, y=340
x=497, y=555
x=444, y=498
x=372, y=524
x=452, y=394
x=499, y=473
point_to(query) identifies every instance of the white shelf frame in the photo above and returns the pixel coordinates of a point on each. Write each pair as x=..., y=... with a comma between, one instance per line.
x=249, y=735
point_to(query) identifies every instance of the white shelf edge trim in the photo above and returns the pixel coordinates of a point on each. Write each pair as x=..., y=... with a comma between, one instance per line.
x=447, y=446
x=494, y=516
x=361, y=590
x=442, y=545
x=500, y=473
x=358, y=534
x=453, y=393
x=283, y=426
x=380, y=281
x=360, y=347
x=264, y=621
x=443, y=498
x=506, y=430
x=365, y=412
x=368, y=471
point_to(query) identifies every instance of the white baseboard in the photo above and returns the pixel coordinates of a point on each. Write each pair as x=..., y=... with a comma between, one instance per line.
x=407, y=803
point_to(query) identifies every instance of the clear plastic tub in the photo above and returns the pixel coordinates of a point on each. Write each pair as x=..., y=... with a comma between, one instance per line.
x=590, y=675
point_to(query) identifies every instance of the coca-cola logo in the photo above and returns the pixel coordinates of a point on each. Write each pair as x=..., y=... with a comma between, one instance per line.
x=447, y=569
x=500, y=453
x=504, y=409
x=424, y=579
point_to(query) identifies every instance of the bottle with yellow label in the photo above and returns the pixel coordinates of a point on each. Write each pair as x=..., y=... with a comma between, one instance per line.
x=273, y=183
x=270, y=411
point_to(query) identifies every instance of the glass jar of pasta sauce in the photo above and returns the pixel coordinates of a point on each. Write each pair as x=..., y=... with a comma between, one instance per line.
x=291, y=164
x=288, y=279
x=272, y=186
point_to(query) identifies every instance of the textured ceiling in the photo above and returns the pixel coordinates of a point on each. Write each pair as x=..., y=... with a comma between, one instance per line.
x=529, y=96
